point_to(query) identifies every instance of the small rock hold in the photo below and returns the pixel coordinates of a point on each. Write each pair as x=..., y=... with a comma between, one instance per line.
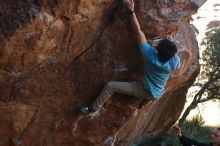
x=120, y=69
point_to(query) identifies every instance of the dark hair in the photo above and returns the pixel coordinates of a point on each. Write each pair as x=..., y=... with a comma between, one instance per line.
x=166, y=50
x=218, y=128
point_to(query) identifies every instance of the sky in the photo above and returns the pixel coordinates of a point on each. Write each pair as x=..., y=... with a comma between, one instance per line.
x=209, y=12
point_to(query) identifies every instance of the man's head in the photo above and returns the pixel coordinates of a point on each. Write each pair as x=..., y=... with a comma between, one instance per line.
x=215, y=136
x=166, y=49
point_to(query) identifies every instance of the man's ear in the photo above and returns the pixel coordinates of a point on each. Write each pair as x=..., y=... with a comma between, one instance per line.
x=156, y=42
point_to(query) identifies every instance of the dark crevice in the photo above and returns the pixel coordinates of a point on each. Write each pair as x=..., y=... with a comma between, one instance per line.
x=68, y=34
x=83, y=52
x=108, y=19
x=15, y=85
x=18, y=139
x=12, y=93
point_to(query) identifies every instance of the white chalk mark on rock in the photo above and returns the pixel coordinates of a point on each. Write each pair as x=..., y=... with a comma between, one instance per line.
x=121, y=69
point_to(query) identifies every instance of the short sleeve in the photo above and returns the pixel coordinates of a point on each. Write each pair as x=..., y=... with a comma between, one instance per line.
x=177, y=62
x=147, y=51
x=174, y=63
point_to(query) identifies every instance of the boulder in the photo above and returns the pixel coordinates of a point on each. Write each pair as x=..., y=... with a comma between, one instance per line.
x=56, y=56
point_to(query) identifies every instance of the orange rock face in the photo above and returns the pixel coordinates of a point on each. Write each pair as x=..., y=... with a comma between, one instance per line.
x=56, y=56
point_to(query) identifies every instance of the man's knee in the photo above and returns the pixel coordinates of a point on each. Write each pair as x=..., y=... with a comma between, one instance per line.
x=110, y=84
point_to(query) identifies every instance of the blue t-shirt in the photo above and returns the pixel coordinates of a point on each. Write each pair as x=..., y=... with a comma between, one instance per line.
x=156, y=73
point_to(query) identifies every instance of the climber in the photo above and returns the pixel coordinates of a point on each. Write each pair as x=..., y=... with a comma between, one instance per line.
x=158, y=64
x=185, y=141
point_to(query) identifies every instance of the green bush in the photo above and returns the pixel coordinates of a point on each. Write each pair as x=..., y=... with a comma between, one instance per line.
x=193, y=128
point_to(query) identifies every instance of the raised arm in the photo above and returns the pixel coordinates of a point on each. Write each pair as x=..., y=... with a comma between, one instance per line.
x=134, y=21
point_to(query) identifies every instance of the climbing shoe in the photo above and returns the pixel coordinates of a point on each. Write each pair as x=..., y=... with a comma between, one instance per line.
x=143, y=103
x=85, y=110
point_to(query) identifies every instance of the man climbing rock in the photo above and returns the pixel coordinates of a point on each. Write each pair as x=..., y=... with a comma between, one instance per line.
x=158, y=65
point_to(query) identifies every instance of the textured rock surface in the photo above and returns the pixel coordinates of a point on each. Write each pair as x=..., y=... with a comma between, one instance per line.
x=56, y=56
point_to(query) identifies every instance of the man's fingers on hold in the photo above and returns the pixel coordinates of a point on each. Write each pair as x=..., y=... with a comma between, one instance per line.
x=125, y=2
x=128, y=2
x=132, y=2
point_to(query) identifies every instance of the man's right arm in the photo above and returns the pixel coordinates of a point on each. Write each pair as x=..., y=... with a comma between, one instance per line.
x=137, y=29
x=135, y=24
